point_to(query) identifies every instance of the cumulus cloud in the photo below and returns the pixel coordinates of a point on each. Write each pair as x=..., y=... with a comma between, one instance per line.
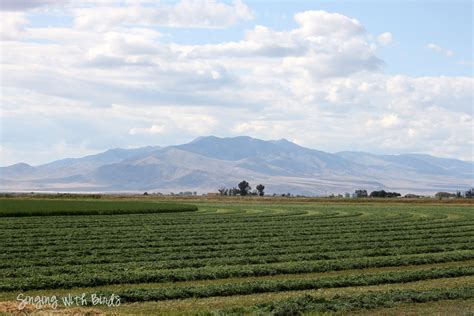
x=440, y=50
x=186, y=13
x=324, y=45
x=322, y=23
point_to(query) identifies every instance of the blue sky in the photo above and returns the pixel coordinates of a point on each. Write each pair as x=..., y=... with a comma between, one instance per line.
x=80, y=77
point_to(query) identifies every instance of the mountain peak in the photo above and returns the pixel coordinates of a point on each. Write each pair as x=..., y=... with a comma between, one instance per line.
x=225, y=148
x=21, y=165
x=282, y=141
x=201, y=138
x=212, y=138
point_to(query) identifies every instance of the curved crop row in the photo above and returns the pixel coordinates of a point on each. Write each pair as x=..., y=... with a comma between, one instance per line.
x=86, y=255
x=209, y=239
x=252, y=287
x=233, y=228
x=157, y=262
x=82, y=277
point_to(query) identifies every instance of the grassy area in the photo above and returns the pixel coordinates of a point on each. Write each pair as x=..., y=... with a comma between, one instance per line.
x=249, y=256
x=44, y=207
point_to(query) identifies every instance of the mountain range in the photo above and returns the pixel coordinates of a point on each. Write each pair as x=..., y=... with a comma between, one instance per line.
x=208, y=163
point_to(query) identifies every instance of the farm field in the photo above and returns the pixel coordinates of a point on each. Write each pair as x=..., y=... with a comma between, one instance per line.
x=45, y=207
x=244, y=257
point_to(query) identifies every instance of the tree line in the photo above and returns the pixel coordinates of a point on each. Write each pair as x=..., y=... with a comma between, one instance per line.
x=243, y=189
x=469, y=194
x=379, y=194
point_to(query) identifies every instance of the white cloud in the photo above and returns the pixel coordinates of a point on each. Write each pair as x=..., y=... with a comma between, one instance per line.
x=185, y=13
x=191, y=120
x=412, y=133
x=386, y=121
x=320, y=83
x=385, y=38
x=324, y=45
x=154, y=129
x=23, y=5
x=322, y=23
x=440, y=50
x=12, y=25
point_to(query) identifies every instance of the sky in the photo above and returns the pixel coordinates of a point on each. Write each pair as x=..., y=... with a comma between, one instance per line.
x=79, y=77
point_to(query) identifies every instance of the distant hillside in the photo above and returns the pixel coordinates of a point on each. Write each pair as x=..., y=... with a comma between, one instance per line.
x=208, y=163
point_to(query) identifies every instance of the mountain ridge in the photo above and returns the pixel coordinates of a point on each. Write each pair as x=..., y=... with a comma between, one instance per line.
x=209, y=162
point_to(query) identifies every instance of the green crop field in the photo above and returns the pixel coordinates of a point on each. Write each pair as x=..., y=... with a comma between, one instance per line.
x=39, y=207
x=240, y=257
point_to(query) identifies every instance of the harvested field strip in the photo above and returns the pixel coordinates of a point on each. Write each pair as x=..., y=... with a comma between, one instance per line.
x=229, y=222
x=183, y=239
x=193, y=305
x=252, y=287
x=257, y=231
x=235, y=242
x=304, y=276
x=95, y=275
x=211, y=218
x=242, y=258
x=106, y=255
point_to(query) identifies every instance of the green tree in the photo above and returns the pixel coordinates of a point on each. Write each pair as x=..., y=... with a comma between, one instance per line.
x=361, y=193
x=260, y=189
x=469, y=194
x=244, y=188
